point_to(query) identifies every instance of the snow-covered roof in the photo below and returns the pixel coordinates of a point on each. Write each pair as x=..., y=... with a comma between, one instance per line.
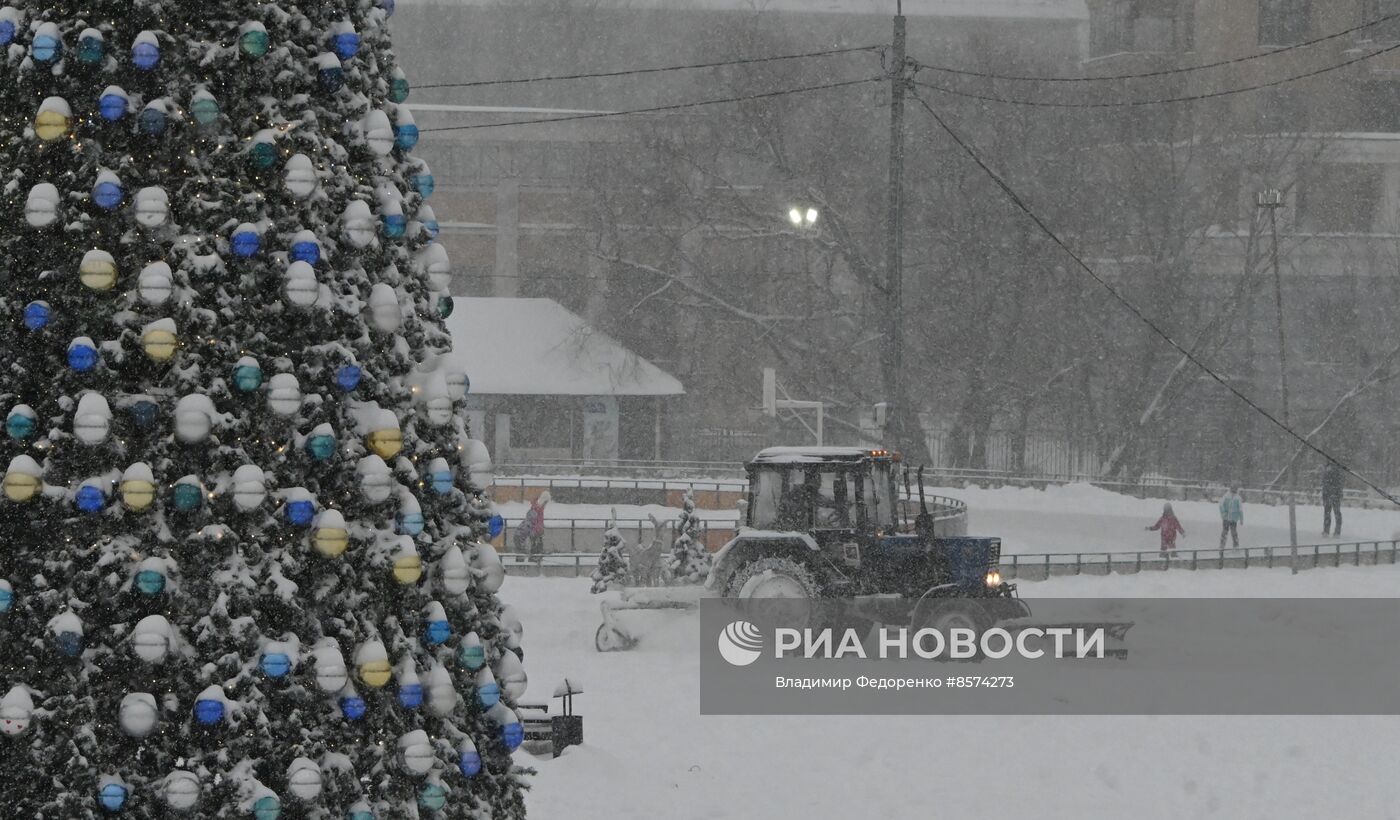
x=997, y=9
x=516, y=347
x=799, y=455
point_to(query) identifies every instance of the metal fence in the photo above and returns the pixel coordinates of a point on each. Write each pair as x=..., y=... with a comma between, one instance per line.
x=714, y=485
x=1040, y=566
x=571, y=535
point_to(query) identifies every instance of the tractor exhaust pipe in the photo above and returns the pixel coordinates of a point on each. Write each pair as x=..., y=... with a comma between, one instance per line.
x=923, y=525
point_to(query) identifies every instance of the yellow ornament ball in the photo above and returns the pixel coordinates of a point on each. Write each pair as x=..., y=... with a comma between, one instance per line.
x=23, y=487
x=51, y=125
x=331, y=541
x=408, y=569
x=386, y=443
x=374, y=673
x=160, y=345
x=98, y=272
x=138, y=494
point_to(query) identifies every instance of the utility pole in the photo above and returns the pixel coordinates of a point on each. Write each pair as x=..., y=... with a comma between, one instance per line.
x=893, y=364
x=1272, y=199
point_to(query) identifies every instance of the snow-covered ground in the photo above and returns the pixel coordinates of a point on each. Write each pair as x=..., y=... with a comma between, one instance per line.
x=650, y=754
x=1073, y=518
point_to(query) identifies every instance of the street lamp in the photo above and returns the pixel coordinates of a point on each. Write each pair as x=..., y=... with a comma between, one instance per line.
x=803, y=218
x=1272, y=199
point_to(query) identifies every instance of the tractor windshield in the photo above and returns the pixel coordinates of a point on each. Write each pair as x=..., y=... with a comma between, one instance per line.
x=878, y=495
x=767, y=499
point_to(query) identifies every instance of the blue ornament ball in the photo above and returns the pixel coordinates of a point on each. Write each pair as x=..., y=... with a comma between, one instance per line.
x=348, y=377
x=7, y=599
x=19, y=426
x=108, y=195
x=145, y=55
x=442, y=482
x=495, y=526
x=437, y=632
x=308, y=252
x=113, y=796
x=90, y=499
x=37, y=315
x=410, y=523
x=469, y=764
x=112, y=107
x=346, y=45
x=247, y=377
x=150, y=582
x=45, y=48
x=321, y=448
x=300, y=513
x=209, y=712
x=433, y=797
x=267, y=807
x=411, y=695
x=353, y=707
x=7, y=32
x=82, y=358
x=144, y=413
x=188, y=497
x=69, y=643
x=275, y=664
x=152, y=122
x=488, y=695
x=246, y=243
x=512, y=734
x=473, y=657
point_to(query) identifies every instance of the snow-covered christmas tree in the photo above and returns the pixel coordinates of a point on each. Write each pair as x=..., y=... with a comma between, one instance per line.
x=689, y=562
x=242, y=573
x=613, y=561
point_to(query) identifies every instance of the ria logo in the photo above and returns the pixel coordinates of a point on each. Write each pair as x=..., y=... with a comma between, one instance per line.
x=740, y=643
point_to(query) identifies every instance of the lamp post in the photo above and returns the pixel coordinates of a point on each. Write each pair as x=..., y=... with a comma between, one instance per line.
x=1272, y=199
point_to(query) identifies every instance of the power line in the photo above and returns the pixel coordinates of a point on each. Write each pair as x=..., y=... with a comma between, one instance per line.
x=1167, y=71
x=1159, y=101
x=656, y=70
x=1132, y=308
x=659, y=108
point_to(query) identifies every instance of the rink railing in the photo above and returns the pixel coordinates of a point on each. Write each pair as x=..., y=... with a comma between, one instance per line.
x=723, y=477
x=1040, y=566
x=570, y=535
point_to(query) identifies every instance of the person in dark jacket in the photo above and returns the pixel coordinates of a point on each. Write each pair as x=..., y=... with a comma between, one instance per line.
x=1332, y=484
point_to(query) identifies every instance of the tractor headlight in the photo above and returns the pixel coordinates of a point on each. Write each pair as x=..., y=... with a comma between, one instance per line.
x=993, y=579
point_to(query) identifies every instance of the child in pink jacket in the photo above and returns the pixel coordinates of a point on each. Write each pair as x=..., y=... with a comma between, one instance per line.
x=1170, y=528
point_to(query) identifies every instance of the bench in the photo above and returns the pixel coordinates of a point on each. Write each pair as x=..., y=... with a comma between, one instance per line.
x=554, y=732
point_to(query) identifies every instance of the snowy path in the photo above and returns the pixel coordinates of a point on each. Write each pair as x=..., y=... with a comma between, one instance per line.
x=650, y=754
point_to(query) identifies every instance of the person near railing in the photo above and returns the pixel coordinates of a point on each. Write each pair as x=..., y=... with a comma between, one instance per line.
x=531, y=530
x=1231, y=516
x=1169, y=527
x=1332, y=485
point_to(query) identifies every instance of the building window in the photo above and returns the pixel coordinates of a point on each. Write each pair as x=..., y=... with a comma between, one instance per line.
x=1284, y=22
x=1123, y=26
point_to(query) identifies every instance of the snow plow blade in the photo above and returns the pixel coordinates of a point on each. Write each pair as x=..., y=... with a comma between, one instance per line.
x=613, y=636
x=1115, y=633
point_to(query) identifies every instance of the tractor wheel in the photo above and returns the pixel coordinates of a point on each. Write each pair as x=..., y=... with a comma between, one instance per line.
x=789, y=584
x=952, y=614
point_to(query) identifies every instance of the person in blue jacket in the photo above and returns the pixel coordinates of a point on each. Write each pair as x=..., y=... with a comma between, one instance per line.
x=1231, y=516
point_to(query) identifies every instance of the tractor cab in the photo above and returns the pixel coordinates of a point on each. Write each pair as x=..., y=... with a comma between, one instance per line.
x=835, y=490
x=832, y=521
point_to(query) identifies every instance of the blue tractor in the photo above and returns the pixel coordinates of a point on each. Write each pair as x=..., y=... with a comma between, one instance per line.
x=831, y=522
